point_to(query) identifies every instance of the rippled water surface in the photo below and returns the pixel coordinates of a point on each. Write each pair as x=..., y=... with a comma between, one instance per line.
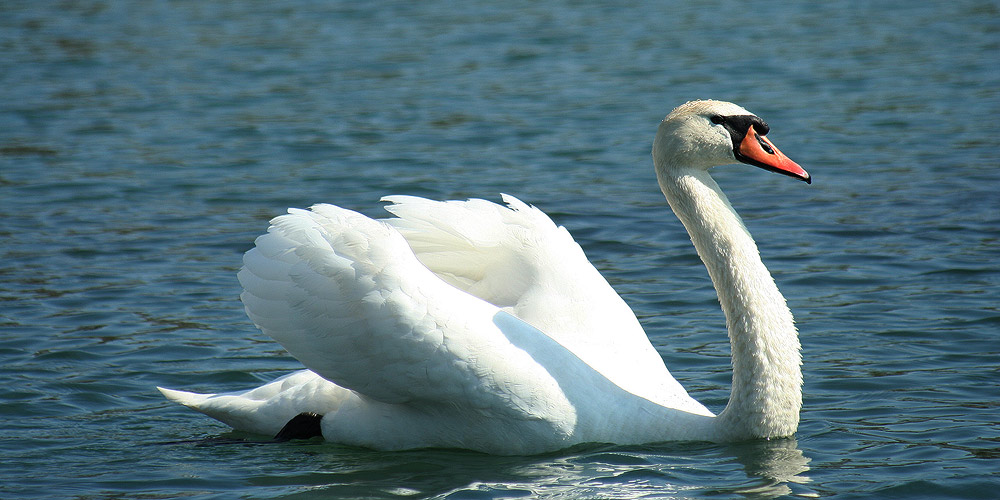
x=143, y=146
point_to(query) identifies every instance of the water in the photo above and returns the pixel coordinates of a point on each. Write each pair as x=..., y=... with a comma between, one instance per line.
x=143, y=145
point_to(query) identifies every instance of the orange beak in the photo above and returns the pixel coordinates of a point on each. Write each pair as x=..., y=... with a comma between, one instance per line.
x=757, y=150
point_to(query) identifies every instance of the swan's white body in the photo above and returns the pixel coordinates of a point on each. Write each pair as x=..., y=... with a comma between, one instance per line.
x=473, y=325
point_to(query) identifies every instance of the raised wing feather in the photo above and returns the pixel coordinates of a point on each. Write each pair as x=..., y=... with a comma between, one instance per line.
x=345, y=295
x=515, y=257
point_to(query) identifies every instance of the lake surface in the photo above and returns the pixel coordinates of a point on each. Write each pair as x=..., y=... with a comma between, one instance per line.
x=144, y=145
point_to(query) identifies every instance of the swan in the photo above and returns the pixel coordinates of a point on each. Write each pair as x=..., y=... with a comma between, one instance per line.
x=469, y=324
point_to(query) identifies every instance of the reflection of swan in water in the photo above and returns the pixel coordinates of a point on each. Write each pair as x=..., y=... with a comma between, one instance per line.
x=754, y=469
x=471, y=325
x=778, y=462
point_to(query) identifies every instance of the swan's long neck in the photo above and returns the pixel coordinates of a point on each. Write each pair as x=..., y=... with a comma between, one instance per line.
x=767, y=378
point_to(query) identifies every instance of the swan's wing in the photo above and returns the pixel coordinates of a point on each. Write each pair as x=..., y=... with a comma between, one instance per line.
x=345, y=295
x=515, y=257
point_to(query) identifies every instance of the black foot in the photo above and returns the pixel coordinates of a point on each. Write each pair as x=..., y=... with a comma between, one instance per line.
x=302, y=426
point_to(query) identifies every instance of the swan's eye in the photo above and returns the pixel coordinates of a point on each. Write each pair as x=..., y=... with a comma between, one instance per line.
x=716, y=119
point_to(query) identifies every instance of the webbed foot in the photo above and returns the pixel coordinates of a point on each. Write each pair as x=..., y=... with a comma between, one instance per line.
x=302, y=426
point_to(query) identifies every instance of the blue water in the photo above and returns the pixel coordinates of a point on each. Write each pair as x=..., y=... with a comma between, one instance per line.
x=143, y=146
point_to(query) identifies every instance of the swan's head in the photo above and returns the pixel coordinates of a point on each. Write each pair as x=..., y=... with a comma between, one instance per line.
x=705, y=134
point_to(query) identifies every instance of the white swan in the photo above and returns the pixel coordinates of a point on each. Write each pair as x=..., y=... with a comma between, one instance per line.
x=473, y=325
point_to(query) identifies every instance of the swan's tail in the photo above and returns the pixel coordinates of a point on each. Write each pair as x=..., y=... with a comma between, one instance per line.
x=266, y=409
x=190, y=399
